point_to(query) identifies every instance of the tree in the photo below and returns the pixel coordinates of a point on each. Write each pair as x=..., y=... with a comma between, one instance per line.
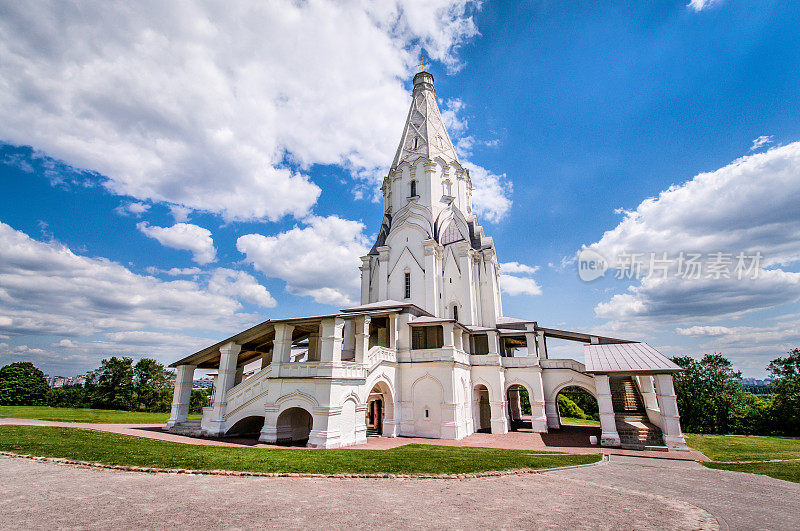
x=568, y=408
x=708, y=394
x=153, y=385
x=786, y=394
x=111, y=385
x=22, y=384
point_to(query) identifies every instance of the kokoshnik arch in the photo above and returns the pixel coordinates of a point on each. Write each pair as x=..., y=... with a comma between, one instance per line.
x=428, y=352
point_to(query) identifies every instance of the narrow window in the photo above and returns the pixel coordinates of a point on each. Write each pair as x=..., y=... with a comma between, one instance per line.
x=427, y=414
x=408, y=285
x=413, y=188
x=416, y=142
x=455, y=313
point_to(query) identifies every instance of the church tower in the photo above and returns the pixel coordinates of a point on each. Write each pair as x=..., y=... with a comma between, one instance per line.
x=430, y=250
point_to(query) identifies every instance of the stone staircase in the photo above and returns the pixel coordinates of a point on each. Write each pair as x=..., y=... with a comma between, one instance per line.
x=372, y=431
x=634, y=429
x=189, y=428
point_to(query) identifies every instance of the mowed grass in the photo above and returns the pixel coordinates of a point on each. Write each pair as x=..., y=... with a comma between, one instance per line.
x=579, y=422
x=109, y=448
x=100, y=416
x=733, y=448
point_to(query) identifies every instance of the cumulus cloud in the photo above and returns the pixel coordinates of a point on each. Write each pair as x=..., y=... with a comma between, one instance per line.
x=240, y=285
x=492, y=194
x=184, y=236
x=515, y=279
x=319, y=259
x=175, y=271
x=748, y=206
x=46, y=289
x=213, y=107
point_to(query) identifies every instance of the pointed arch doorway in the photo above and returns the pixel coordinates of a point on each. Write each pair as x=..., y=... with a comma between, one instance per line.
x=380, y=411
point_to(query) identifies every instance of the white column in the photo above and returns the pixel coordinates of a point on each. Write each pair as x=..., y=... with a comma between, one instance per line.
x=458, y=337
x=648, y=391
x=608, y=421
x=431, y=291
x=465, y=255
x=365, y=273
x=494, y=343
x=392, y=320
x=229, y=356
x=514, y=404
x=282, y=345
x=313, y=346
x=541, y=344
x=361, y=329
x=530, y=342
x=331, y=340
x=266, y=359
x=668, y=404
x=181, y=395
x=449, y=339
x=465, y=342
x=403, y=339
x=383, y=272
x=538, y=408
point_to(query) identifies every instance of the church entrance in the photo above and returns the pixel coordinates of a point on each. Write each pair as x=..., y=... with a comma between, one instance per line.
x=294, y=426
x=483, y=410
x=375, y=417
x=519, y=408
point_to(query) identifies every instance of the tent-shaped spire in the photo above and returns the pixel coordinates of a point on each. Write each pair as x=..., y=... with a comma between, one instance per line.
x=424, y=134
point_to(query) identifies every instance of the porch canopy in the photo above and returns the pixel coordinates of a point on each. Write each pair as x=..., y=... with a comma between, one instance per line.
x=628, y=358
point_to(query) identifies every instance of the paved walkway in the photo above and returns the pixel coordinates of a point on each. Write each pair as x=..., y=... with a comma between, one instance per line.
x=47, y=495
x=571, y=439
x=736, y=499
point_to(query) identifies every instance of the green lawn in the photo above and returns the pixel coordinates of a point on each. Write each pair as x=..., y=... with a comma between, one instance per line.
x=103, y=416
x=88, y=445
x=740, y=448
x=579, y=422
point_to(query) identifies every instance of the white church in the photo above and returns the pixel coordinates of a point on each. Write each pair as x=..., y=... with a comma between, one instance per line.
x=428, y=352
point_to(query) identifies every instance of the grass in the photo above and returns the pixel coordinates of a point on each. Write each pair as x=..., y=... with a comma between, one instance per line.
x=103, y=416
x=579, y=422
x=110, y=448
x=733, y=448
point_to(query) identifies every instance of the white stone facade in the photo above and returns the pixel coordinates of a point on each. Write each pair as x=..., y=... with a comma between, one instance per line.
x=428, y=353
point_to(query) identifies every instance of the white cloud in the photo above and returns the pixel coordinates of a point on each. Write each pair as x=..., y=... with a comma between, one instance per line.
x=748, y=206
x=240, y=285
x=516, y=267
x=491, y=196
x=320, y=259
x=184, y=236
x=46, y=289
x=760, y=142
x=699, y=5
x=175, y=271
x=135, y=208
x=218, y=107
x=512, y=285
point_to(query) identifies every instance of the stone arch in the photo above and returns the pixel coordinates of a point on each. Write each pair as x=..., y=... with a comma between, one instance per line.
x=298, y=397
x=247, y=426
x=294, y=425
x=572, y=383
x=514, y=400
x=380, y=417
x=427, y=395
x=481, y=407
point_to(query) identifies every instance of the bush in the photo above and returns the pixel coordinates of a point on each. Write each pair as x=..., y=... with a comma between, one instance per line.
x=74, y=397
x=22, y=384
x=568, y=408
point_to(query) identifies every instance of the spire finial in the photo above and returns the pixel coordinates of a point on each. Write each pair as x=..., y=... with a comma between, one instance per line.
x=423, y=64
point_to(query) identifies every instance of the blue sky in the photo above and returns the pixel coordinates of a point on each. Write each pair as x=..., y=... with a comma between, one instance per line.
x=171, y=175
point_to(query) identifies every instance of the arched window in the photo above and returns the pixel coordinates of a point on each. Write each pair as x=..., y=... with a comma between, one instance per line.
x=407, y=285
x=455, y=312
x=413, y=189
x=448, y=188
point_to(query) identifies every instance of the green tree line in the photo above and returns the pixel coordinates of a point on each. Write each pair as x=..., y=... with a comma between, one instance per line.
x=117, y=384
x=712, y=400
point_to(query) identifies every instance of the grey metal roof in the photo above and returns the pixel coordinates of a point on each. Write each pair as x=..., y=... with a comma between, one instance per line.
x=626, y=358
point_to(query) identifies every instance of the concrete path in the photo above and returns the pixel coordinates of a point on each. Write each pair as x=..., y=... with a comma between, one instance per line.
x=736, y=499
x=47, y=495
x=573, y=439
